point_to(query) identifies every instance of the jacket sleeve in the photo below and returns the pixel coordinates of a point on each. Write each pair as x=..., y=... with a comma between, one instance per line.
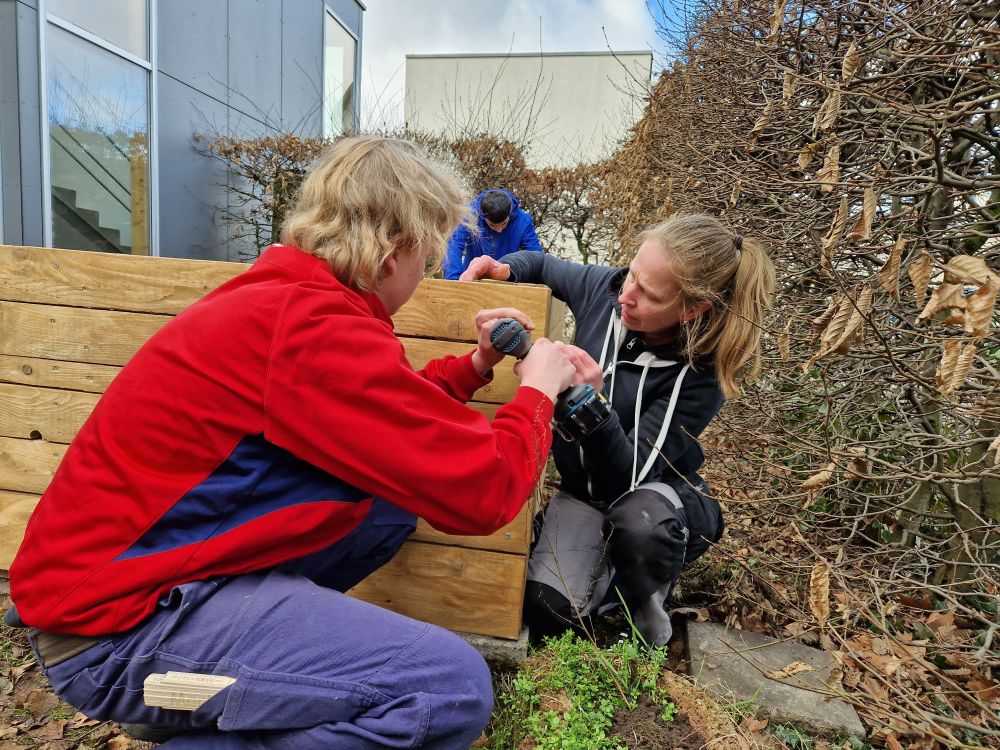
x=456, y=376
x=453, y=261
x=341, y=396
x=608, y=451
x=573, y=283
x=529, y=238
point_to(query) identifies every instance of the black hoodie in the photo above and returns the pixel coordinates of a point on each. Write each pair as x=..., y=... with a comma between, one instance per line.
x=605, y=464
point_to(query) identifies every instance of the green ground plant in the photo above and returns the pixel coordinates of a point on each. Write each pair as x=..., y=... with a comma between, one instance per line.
x=567, y=694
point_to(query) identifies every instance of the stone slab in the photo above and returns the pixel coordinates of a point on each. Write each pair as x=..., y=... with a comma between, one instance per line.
x=501, y=653
x=732, y=665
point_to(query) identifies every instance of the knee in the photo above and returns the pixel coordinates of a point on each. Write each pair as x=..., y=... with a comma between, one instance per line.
x=463, y=685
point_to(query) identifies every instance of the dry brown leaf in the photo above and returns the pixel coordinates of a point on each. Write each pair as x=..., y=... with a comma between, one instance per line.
x=837, y=325
x=777, y=18
x=758, y=127
x=888, y=275
x=944, y=297
x=820, y=478
x=995, y=448
x=833, y=237
x=830, y=173
x=855, y=323
x=946, y=368
x=819, y=591
x=962, y=366
x=789, y=83
x=970, y=270
x=796, y=667
x=735, y=195
x=807, y=153
x=852, y=61
x=120, y=742
x=783, y=341
x=819, y=324
x=859, y=465
x=863, y=226
x=40, y=702
x=920, y=274
x=826, y=117
x=891, y=742
x=979, y=309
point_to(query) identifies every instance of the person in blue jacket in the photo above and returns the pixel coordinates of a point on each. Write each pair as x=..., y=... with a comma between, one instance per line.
x=503, y=227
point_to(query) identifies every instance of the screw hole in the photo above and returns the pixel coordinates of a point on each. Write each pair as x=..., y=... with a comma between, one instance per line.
x=34, y=435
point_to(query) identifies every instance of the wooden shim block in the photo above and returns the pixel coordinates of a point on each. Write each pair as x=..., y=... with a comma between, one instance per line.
x=49, y=373
x=108, y=281
x=104, y=337
x=447, y=309
x=500, y=391
x=43, y=413
x=514, y=538
x=28, y=465
x=15, y=510
x=470, y=591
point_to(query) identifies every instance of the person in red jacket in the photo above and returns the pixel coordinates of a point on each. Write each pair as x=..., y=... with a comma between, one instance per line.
x=260, y=455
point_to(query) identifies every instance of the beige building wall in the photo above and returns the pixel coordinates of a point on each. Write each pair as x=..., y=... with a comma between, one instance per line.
x=572, y=107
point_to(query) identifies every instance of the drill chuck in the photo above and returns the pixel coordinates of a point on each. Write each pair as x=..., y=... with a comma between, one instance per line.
x=579, y=409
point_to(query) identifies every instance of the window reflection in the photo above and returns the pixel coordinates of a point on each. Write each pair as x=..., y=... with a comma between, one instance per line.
x=338, y=79
x=98, y=143
x=121, y=22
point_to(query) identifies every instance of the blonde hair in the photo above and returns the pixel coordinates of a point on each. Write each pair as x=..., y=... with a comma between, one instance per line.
x=368, y=196
x=734, y=275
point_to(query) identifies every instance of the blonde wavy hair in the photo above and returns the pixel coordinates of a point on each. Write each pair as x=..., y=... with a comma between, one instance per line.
x=367, y=197
x=734, y=275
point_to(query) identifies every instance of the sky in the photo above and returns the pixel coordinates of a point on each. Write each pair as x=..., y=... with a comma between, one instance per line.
x=396, y=28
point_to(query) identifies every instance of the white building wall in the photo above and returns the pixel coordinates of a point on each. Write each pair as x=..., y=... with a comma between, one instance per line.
x=572, y=107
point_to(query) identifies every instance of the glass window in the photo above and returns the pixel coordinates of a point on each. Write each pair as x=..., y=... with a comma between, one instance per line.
x=338, y=79
x=121, y=22
x=98, y=147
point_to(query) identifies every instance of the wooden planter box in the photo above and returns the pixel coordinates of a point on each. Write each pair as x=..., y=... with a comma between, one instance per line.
x=69, y=320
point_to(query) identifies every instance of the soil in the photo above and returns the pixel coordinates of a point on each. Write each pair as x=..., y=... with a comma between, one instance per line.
x=644, y=729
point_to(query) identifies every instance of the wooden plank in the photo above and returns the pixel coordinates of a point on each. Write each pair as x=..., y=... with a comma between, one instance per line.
x=108, y=281
x=43, y=413
x=28, y=465
x=48, y=373
x=15, y=510
x=474, y=591
x=103, y=337
x=514, y=538
x=447, y=309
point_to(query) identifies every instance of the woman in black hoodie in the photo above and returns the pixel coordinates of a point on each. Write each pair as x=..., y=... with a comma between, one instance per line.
x=665, y=340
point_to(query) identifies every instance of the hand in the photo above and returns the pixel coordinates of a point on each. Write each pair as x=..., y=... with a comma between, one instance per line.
x=547, y=368
x=485, y=267
x=587, y=370
x=486, y=356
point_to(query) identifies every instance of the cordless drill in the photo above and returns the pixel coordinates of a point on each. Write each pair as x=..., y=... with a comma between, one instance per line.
x=579, y=410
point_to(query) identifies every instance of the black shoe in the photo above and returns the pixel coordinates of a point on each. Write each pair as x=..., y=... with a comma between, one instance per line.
x=150, y=732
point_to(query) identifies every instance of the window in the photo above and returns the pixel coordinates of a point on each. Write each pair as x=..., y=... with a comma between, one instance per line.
x=98, y=97
x=339, y=91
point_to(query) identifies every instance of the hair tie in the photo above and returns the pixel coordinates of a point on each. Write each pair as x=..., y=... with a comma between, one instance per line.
x=738, y=245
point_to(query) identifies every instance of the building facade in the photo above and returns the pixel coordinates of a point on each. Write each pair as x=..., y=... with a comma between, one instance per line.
x=105, y=107
x=571, y=107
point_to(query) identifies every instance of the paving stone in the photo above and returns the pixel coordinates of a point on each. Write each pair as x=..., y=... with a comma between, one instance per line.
x=499, y=652
x=731, y=664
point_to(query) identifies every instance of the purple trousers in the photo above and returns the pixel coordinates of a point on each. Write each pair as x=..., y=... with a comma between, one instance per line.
x=314, y=668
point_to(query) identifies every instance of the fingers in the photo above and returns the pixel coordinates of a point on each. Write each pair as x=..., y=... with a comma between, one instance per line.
x=587, y=370
x=485, y=267
x=491, y=316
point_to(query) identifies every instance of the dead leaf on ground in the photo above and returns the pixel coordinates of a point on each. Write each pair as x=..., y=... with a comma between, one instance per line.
x=819, y=591
x=52, y=730
x=796, y=667
x=120, y=742
x=40, y=702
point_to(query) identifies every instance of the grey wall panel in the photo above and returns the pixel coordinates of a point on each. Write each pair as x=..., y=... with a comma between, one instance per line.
x=10, y=127
x=30, y=128
x=255, y=59
x=192, y=185
x=349, y=13
x=30, y=3
x=192, y=44
x=302, y=65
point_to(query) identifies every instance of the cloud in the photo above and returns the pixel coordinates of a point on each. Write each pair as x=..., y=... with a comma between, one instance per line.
x=396, y=28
